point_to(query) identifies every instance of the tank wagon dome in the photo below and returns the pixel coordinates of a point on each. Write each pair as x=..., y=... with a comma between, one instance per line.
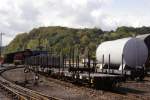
x=134, y=52
x=146, y=39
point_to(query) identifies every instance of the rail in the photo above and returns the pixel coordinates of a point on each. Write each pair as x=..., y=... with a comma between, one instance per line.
x=21, y=93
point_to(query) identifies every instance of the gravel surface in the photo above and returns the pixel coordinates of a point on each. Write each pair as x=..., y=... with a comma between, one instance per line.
x=130, y=90
x=4, y=96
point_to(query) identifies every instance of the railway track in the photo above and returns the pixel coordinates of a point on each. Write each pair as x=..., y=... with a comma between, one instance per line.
x=20, y=93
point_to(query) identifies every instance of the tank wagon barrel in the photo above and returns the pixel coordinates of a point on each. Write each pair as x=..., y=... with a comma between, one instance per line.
x=133, y=50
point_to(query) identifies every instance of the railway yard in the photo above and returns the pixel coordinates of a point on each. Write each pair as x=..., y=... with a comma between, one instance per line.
x=75, y=50
x=130, y=90
x=119, y=73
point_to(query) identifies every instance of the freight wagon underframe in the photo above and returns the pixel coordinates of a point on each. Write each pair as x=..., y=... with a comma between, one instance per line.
x=95, y=80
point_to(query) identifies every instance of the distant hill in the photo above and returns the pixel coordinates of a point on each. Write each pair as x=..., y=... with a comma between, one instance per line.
x=63, y=38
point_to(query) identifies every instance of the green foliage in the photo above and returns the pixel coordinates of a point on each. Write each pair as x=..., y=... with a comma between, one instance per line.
x=32, y=44
x=63, y=38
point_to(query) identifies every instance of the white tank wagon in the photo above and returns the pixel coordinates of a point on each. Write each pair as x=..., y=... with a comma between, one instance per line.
x=134, y=52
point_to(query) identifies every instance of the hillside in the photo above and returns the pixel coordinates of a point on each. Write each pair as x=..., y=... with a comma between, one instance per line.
x=63, y=38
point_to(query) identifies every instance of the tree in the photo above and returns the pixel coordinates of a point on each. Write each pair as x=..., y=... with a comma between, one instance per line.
x=33, y=44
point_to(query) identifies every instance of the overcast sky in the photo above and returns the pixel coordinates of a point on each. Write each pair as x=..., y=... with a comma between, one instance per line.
x=18, y=16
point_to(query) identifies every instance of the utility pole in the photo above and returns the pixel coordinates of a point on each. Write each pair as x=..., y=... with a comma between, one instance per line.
x=1, y=44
